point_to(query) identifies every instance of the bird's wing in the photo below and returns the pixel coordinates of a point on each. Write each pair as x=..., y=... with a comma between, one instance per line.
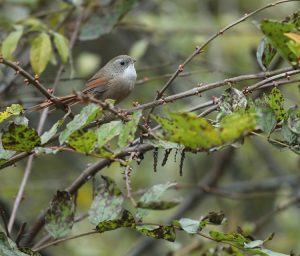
x=99, y=84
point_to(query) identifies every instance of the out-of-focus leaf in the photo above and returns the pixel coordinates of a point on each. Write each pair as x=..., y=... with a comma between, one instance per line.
x=138, y=49
x=62, y=45
x=294, y=121
x=265, y=54
x=60, y=215
x=46, y=136
x=287, y=133
x=159, y=205
x=42, y=150
x=253, y=244
x=40, y=52
x=188, y=225
x=152, y=194
x=9, y=248
x=276, y=102
x=10, y=43
x=21, y=120
x=294, y=44
x=83, y=142
x=86, y=115
x=127, y=220
x=20, y=138
x=265, y=252
x=127, y=134
x=293, y=36
x=12, y=110
x=158, y=232
x=231, y=100
x=236, y=238
x=275, y=32
x=107, y=203
x=100, y=25
x=29, y=252
x=216, y=218
x=266, y=119
x=107, y=132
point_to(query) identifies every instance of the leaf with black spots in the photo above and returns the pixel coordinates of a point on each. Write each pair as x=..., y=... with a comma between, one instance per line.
x=127, y=220
x=107, y=203
x=60, y=215
x=20, y=138
x=83, y=142
x=159, y=205
x=276, y=102
x=158, y=231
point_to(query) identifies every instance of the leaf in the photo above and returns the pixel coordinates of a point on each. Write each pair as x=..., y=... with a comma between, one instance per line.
x=163, y=144
x=97, y=26
x=236, y=238
x=139, y=48
x=152, y=194
x=216, y=218
x=158, y=232
x=40, y=52
x=294, y=121
x=20, y=138
x=107, y=203
x=46, y=136
x=41, y=150
x=29, y=252
x=127, y=134
x=266, y=119
x=188, y=225
x=83, y=142
x=276, y=102
x=288, y=134
x=253, y=244
x=295, y=37
x=196, y=132
x=266, y=252
x=86, y=115
x=60, y=215
x=10, y=43
x=265, y=54
x=62, y=45
x=127, y=220
x=12, y=110
x=275, y=32
x=232, y=100
x=107, y=132
x=159, y=205
x=9, y=248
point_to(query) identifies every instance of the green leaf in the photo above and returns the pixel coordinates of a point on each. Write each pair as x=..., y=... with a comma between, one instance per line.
x=276, y=102
x=266, y=119
x=86, y=115
x=235, y=238
x=196, y=132
x=83, y=142
x=288, y=134
x=139, y=48
x=275, y=32
x=40, y=52
x=107, y=132
x=29, y=252
x=9, y=248
x=107, y=203
x=163, y=144
x=127, y=220
x=127, y=134
x=62, y=45
x=152, y=194
x=266, y=252
x=265, y=54
x=97, y=26
x=231, y=100
x=41, y=150
x=158, y=232
x=294, y=121
x=12, y=110
x=46, y=136
x=20, y=138
x=60, y=215
x=188, y=225
x=10, y=43
x=253, y=244
x=159, y=205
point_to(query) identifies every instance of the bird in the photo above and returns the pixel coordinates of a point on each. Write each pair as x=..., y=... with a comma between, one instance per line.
x=115, y=80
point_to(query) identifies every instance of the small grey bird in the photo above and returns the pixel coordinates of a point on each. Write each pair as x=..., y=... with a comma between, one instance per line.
x=114, y=81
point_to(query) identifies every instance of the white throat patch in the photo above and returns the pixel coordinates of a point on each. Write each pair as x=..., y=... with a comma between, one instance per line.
x=130, y=73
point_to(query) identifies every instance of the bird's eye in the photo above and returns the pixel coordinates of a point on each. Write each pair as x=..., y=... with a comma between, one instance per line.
x=122, y=63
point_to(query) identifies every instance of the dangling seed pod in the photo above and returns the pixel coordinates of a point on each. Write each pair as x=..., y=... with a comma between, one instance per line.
x=166, y=156
x=181, y=162
x=155, y=158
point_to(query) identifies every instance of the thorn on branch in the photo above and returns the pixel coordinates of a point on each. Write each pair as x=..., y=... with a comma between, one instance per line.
x=215, y=100
x=180, y=68
x=26, y=81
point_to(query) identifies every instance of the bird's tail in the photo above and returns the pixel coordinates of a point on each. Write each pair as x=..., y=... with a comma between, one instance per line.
x=67, y=100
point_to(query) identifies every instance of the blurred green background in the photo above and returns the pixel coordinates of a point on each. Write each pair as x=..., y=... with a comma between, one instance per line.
x=161, y=34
